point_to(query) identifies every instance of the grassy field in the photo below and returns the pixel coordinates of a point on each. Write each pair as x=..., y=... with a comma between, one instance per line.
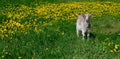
x=46, y=29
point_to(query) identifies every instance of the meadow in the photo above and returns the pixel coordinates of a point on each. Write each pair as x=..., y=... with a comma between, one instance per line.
x=47, y=29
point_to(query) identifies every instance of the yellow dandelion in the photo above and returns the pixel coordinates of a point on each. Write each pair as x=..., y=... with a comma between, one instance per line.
x=19, y=57
x=62, y=33
x=115, y=50
x=10, y=15
x=17, y=24
x=5, y=30
x=46, y=48
x=22, y=26
x=116, y=46
x=36, y=30
x=23, y=7
x=111, y=51
x=33, y=58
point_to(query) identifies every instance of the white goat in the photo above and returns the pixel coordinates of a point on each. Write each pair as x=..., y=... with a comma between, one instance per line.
x=83, y=24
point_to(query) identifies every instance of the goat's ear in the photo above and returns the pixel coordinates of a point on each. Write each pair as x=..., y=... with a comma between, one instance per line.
x=91, y=14
x=83, y=15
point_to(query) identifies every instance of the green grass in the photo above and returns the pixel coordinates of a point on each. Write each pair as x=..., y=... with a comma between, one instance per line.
x=61, y=44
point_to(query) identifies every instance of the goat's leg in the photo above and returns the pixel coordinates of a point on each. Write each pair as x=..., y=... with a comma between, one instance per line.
x=77, y=31
x=88, y=34
x=83, y=34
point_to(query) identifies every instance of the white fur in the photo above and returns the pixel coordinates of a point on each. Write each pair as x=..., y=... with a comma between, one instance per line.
x=83, y=24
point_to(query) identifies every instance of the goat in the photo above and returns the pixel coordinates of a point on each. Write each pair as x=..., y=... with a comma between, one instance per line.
x=83, y=25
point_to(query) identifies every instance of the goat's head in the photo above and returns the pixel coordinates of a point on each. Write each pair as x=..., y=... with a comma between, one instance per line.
x=87, y=16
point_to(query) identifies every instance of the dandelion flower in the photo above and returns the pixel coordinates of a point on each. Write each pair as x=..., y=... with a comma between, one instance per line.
x=46, y=49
